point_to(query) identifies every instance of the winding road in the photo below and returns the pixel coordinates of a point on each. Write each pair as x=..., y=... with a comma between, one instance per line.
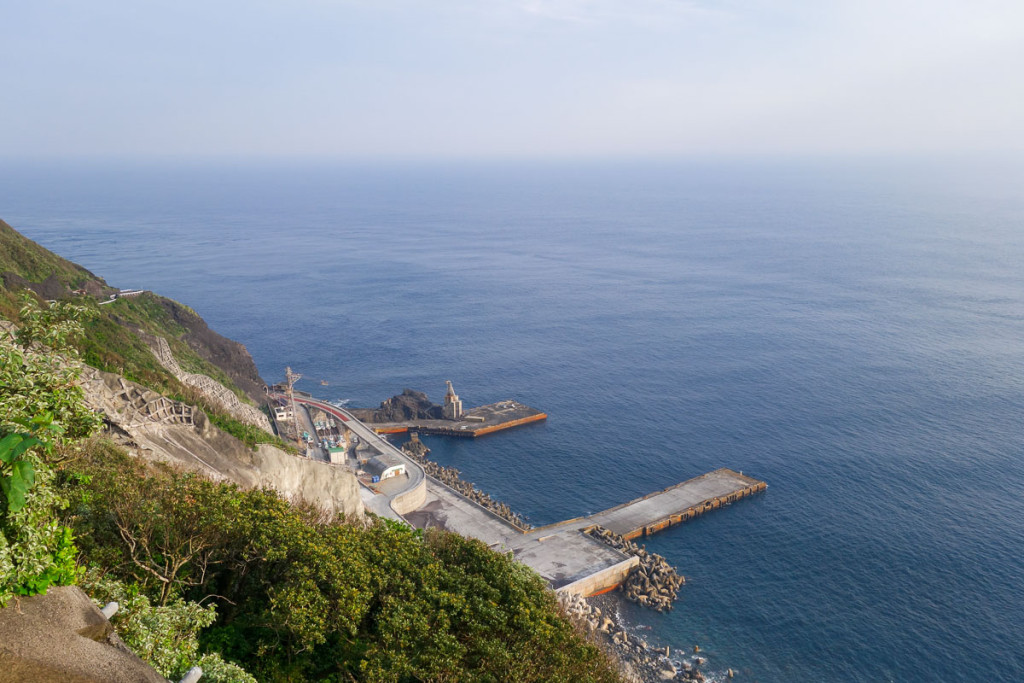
x=396, y=502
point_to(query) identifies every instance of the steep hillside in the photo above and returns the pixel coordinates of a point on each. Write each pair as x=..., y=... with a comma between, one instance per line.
x=22, y=257
x=26, y=265
x=122, y=334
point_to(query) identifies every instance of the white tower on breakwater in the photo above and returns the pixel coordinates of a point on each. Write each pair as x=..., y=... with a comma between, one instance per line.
x=452, y=404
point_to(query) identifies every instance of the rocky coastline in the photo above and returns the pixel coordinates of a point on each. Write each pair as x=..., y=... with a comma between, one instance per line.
x=404, y=407
x=641, y=662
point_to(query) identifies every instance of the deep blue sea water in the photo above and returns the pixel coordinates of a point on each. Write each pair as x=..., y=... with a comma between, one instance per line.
x=851, y=333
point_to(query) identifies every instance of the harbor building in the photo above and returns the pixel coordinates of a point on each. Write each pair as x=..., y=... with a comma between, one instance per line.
x=384, y=466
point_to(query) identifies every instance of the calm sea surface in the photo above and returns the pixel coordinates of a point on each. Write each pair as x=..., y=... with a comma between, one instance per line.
x=852, y=335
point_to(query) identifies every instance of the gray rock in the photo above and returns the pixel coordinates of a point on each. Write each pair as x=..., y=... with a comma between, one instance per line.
x=62, y=636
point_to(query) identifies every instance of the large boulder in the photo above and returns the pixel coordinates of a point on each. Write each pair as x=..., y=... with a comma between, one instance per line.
x=62, y=637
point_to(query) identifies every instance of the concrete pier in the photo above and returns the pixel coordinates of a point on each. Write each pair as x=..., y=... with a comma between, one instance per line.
x=566, y=557
x=474, y=422
x=657, y=511
x=561, y=553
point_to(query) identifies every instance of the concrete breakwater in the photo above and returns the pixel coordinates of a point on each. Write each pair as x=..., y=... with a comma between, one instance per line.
x=571, y=560
x=449, y=476
x=653, y=582
x=676, y=504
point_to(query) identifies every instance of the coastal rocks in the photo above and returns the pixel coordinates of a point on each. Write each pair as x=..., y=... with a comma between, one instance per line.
x=449, y=476
x=63, y=636
x=415, y=448
x=654, y=583
x=638, y=660
x=407, y=406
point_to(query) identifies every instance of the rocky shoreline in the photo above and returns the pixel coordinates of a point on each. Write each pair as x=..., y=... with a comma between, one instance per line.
x=641, y=662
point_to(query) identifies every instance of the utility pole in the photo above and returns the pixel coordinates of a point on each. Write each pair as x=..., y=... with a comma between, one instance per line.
x=290, y=379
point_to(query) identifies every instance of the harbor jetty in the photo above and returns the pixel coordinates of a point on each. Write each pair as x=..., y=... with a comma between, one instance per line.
x=487, y=419
x=641, y=517
x=412, y=411
x=584, y=556
x=568, y=555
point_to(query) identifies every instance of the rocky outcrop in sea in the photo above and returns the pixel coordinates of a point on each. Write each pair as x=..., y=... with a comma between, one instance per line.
x=405, y=407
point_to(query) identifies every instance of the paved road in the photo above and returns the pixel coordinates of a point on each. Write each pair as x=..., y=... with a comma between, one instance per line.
x=379, y=504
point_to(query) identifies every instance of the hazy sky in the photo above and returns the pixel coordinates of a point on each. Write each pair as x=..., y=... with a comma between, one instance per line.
x=499, y=78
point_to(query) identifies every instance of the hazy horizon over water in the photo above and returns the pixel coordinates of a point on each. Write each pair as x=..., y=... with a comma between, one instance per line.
x=853, y=334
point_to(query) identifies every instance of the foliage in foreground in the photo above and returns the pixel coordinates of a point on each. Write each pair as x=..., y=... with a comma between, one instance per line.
x=165, y=636
x=300, y=598
x=43, y=414
x=41, y=409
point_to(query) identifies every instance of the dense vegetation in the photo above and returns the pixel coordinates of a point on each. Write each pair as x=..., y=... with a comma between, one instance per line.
x=42, y=414
x=303, y=598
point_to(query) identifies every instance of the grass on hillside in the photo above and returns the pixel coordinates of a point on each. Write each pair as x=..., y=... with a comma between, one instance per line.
x=148, y=313
x=19, y=254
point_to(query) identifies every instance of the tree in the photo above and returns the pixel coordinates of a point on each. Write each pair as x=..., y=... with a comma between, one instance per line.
x=39, y=372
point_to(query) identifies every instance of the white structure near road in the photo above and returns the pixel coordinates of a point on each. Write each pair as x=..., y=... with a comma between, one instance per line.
x=384, y=466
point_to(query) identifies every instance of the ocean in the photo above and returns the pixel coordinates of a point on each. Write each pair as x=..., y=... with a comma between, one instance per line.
x=851, y=333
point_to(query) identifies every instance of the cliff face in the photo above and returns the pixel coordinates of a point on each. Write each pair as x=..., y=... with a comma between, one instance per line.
x=157, y=428
x=228, y=355
x=116, y=339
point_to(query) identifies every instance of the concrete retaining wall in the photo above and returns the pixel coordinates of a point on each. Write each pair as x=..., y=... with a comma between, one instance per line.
x=602, y=581
x=410, y=500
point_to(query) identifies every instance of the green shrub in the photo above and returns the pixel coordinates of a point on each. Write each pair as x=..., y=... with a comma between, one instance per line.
x=40, y=405
x=166, y=637
x=301, y=598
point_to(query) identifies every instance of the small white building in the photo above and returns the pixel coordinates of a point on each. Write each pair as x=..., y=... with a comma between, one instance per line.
x=384, y=466
x=337, y=454
x=282, y=413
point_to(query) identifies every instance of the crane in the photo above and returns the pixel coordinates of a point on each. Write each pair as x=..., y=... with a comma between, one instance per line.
x=290, y=379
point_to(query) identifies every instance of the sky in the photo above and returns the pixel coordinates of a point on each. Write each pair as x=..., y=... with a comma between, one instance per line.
x=425, y=79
